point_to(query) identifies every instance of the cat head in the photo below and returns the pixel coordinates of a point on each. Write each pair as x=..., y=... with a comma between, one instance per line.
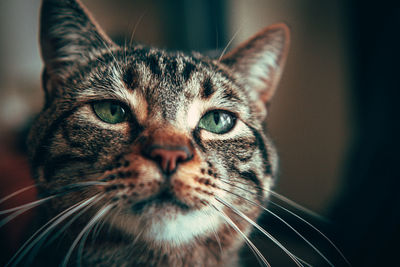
x=169, y=145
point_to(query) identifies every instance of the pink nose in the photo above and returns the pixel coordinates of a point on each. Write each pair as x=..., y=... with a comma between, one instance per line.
x=169, y=157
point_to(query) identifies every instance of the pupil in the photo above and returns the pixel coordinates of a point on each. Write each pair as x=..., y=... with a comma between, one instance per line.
x=113, y=109
x=216, y=117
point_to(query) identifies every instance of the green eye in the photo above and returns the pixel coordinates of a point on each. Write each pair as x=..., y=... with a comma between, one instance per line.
x=217, y=121
x=110, y=112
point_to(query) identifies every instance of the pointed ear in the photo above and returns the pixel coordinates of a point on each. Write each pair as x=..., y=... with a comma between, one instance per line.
x=68, y=34
x=259, y=61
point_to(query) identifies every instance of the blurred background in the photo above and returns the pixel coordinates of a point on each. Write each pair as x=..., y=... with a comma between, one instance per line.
x=334, y=118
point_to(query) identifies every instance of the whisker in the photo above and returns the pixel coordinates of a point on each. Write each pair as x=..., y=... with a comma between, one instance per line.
x=59, y=232
x=262, y=230
x=282, y=198
x=13, y=215
x=229, y=43
x=68, y=224
x=98, y=227
x=17, y=192
x=286, y=223
x=218, y=240
x=255, y=250
x=298, y=206
x=82, y=245
x=315, y=229
x=298, y=217
x=29, y=244
x=27, y=205
x=83, y=241
x=215, y=234
x=77, y=186
x=72, y=187
x=135, y=27
x=125, y=48
x=88, y=226
x=137, y=237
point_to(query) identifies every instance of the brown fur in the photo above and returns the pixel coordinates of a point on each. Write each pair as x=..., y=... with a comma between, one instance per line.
x=152, y=217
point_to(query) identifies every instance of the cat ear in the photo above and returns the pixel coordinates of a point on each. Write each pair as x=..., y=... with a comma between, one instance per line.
x=259, y=61
x=68, y=34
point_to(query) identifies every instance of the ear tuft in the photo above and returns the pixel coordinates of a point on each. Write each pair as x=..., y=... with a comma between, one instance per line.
x=68, y=34
x=259, y=61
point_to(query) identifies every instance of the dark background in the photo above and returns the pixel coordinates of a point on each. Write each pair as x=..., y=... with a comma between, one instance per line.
x=335, y=117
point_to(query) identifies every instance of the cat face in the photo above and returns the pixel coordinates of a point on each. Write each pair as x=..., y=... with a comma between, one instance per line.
x=163, y=146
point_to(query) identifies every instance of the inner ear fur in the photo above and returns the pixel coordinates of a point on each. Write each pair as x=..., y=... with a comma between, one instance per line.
x=260, y=60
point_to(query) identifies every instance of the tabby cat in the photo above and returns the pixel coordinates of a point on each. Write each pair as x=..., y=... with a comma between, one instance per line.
x=147, y=157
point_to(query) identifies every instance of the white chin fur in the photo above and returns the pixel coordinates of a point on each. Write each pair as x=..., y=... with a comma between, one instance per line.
x=183, y=228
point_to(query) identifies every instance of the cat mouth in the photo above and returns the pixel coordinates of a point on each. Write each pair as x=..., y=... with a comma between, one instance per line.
x=162, y=200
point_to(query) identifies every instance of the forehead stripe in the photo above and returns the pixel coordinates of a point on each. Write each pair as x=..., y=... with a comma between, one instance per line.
x=188, y=70
x=207, y=88
x=130, y=78
x=153, y=64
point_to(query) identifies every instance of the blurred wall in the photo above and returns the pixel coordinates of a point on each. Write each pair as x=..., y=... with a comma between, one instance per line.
x=309, y=118
x=20, y=64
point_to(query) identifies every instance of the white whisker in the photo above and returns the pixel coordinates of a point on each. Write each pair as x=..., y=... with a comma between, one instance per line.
x=125, y=57
x=77, y=186
x=87, y=183
x=282, y=198
x=229, y=43
x=68, y=224
x=91, y=223
x=17, y=193
x=262, y=230
x=216, y=235
x=298, y=206
x=138, y=235
x=315, y=229
x=135, y=27
x=39, y=244
x=246, y=239
x=287, y=224
x=298, y=217
x=98, y=227
x=28, y=205
x=13, y=215
x=82, y=243
x=25, y=207
x=28, y=245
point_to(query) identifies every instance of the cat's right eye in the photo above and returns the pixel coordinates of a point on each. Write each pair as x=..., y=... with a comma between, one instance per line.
x=110, y=112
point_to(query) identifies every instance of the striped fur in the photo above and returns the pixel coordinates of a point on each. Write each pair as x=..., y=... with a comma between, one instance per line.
x=165, y=94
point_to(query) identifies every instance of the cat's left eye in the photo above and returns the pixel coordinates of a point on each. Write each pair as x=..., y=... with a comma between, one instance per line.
x=217, y=121
x=110, y=112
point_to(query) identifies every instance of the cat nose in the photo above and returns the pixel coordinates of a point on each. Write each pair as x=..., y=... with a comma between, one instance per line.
x=169, y=157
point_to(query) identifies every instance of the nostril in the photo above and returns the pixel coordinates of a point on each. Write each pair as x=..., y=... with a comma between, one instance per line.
x=181, y=155
x=182, y=158
x=158, y=159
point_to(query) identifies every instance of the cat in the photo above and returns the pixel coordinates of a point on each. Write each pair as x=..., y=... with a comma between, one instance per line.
x=147, y=157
